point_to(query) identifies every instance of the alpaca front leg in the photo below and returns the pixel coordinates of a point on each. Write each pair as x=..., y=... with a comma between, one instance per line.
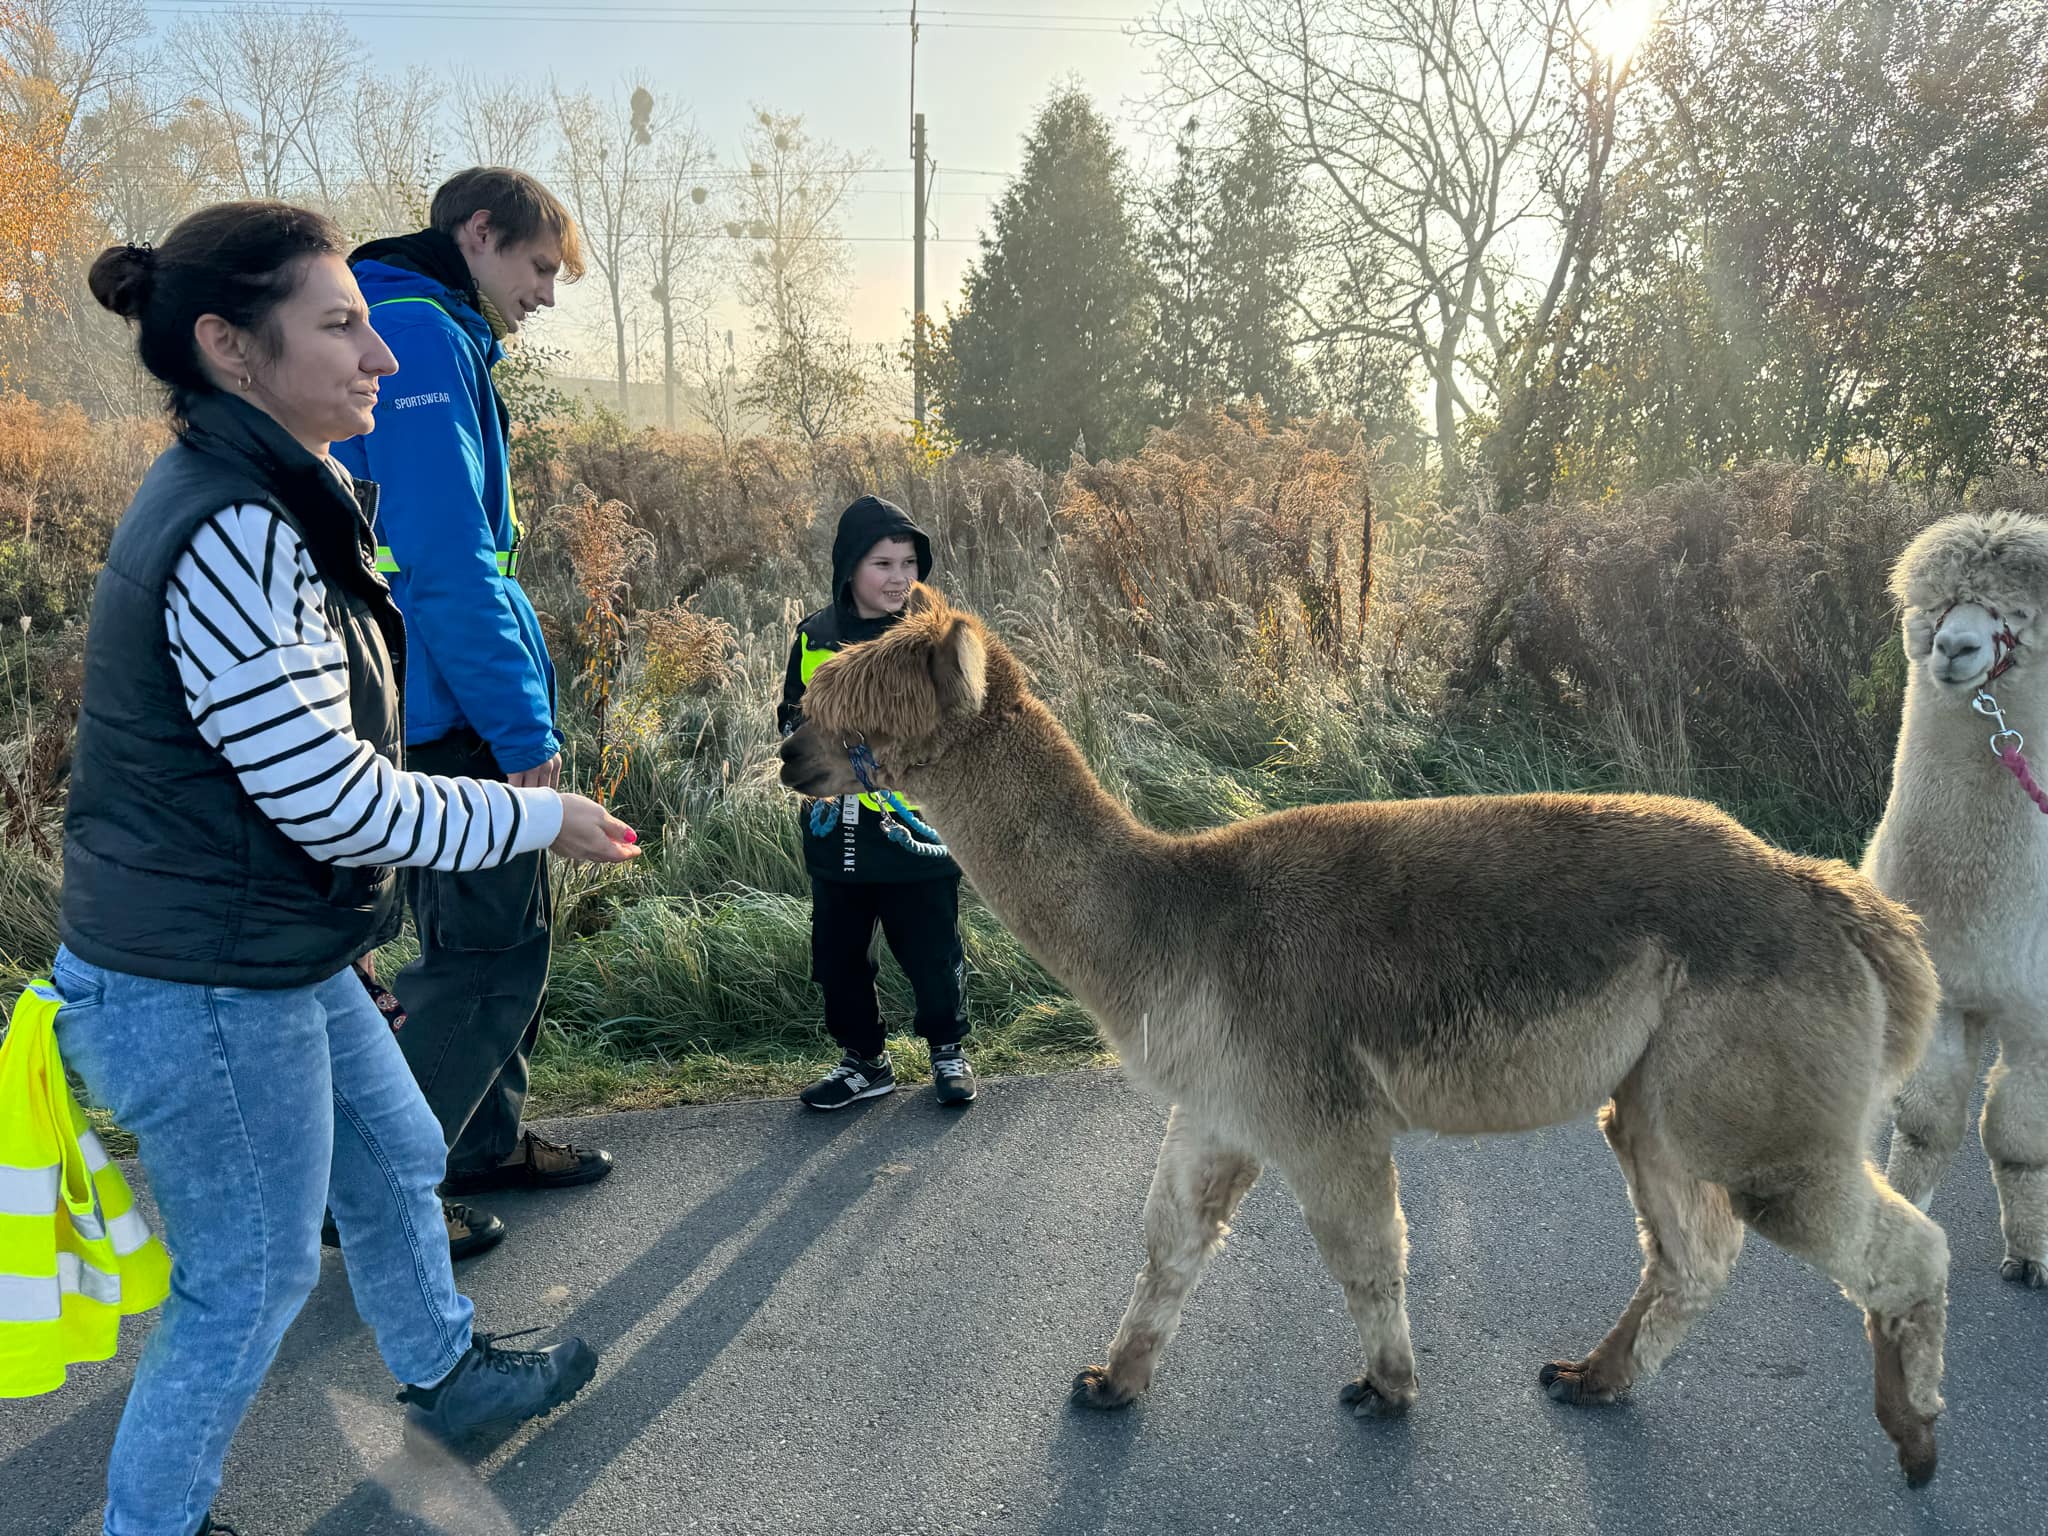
x=1195, y=1190
x=2015, y=1132
x=1354, y=1212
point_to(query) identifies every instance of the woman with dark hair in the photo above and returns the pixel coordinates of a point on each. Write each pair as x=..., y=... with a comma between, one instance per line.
x=237, y=811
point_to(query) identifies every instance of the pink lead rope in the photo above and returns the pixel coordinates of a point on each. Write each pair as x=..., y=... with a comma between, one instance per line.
x=2010, y=756
x=2006, y=745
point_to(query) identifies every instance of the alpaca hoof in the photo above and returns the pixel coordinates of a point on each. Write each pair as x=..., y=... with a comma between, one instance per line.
x=1368, y=1401
x=1095, y=1388
x=2025, y=1272
x=1569, y=1381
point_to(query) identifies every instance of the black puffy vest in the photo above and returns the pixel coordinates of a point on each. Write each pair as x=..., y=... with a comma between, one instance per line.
x=171, y=871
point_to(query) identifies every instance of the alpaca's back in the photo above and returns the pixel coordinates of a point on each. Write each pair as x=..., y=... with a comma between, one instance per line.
x=1502, y=962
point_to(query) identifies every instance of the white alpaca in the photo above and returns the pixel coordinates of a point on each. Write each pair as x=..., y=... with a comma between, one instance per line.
x=1963, y=846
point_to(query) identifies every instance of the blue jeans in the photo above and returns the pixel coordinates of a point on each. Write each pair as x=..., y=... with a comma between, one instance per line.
x=253, y=1109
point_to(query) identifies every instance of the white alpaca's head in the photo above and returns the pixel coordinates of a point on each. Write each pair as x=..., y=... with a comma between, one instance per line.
x=1974, y=587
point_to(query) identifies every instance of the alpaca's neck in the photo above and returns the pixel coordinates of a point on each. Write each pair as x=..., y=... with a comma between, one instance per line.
x=1942, y=736
x=1946, y=773
x=1087, y=889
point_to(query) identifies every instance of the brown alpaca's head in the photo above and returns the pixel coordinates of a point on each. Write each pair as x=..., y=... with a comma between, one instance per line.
x=1973, y=587
x=908, y=696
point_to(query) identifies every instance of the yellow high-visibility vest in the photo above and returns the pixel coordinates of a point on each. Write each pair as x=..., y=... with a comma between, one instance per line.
x=809, y=659
x=75, y=1255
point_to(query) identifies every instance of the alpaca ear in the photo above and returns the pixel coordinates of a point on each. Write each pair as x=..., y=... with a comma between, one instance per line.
x=922, y=599
x=960, y=670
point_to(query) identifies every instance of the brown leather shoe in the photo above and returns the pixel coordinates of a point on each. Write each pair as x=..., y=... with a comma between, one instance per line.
x=538, y=1164
x=470, y=1231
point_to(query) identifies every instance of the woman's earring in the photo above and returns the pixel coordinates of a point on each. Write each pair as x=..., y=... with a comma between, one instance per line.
x=245, y=383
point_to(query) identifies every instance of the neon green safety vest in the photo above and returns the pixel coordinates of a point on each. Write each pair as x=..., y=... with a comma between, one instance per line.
x=809, y=659
x=508, y=559
x=75, y=1255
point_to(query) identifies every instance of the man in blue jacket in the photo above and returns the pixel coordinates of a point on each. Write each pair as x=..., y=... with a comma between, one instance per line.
x=480, y=689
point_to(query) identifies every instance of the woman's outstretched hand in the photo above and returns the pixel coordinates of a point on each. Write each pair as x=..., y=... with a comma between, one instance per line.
x=592, y=835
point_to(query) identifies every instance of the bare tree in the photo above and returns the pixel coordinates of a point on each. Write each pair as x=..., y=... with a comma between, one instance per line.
x=787, y=213
x=1432, y=131
x=392, y=134
x=64, y=60
x=717, y=390
x=679, y=246
x=162, y=160
x=499, y=122
x=604, y=150
x=282, y=83
x=815, y=379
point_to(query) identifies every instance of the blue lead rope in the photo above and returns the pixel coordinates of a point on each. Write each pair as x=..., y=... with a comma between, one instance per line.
x=894, y=829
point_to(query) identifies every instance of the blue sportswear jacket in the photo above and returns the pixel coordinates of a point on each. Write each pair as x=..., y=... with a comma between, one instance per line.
x=440, y=457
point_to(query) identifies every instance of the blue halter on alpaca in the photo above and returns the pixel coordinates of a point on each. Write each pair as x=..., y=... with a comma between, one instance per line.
x=826, y=812
x=864, y=769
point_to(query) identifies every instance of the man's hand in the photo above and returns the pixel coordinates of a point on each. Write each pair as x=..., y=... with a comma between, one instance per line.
x=547, y=775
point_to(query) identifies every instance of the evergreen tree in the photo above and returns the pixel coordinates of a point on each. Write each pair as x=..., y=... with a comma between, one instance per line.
x=1052, y=341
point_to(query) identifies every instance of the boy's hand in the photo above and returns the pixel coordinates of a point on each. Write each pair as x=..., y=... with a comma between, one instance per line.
x=592, y=835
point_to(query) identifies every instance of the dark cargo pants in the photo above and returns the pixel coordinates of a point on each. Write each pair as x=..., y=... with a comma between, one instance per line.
x=473, y=997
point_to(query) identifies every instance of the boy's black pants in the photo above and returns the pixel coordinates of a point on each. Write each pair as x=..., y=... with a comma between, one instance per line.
x=921, y=920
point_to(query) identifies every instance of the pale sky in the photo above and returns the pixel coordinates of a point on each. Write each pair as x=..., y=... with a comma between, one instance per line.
x=983, y=69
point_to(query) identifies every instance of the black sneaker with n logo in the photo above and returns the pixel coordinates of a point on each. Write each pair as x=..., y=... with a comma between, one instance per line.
x=952, y=1076
x=854, y=1078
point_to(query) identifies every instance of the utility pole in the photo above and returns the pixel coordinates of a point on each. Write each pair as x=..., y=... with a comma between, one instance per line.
x=917, y=195
x=917, y=159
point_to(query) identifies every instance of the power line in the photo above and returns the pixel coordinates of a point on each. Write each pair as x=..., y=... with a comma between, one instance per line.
x=767, y=15
x=610, y=14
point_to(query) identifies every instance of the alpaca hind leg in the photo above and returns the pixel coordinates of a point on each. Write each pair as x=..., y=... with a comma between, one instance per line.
x=1889, y=1259
x=1932, y=1108
x=1195, y=1190
x=2015, y=1132
x=1353, y=1206
x=1690, y=1239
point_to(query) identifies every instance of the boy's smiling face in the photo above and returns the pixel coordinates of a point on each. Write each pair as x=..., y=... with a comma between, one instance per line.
x=882, y=580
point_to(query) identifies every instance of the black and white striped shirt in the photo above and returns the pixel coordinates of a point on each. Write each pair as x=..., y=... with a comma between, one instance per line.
x=267, y=683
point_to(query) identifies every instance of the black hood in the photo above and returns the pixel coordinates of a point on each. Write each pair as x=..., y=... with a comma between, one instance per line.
x=429, y=253
x=861, y=527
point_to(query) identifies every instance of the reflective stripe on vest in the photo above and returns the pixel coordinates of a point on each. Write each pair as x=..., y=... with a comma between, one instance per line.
x=75, y=1254
x=809, y=659
x=508, y=559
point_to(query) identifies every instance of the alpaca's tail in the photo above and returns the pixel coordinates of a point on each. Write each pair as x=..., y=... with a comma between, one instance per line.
x=1888, y=934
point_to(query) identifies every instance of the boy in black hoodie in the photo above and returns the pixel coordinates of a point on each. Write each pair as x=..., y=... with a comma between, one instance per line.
x=859, y=876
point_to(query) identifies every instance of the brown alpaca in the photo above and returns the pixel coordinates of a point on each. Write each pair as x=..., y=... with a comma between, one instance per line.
x=1304, y=986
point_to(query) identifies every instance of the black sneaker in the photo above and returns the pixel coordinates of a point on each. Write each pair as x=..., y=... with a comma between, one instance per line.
x=208, y=1526
x=492, y=1387
x=470, y=1231
x=852, y=1079
x=951, y=1075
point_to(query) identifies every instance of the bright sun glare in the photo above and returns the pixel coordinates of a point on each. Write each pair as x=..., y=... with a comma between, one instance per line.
x=1617, y=29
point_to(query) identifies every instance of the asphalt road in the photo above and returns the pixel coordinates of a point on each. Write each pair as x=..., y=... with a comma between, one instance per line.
x=868, y=1322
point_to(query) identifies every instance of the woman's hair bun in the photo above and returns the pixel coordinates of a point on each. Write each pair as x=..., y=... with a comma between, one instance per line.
x=121, y=279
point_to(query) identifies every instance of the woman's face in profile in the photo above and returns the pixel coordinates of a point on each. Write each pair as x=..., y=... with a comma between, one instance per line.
x=320, y=380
